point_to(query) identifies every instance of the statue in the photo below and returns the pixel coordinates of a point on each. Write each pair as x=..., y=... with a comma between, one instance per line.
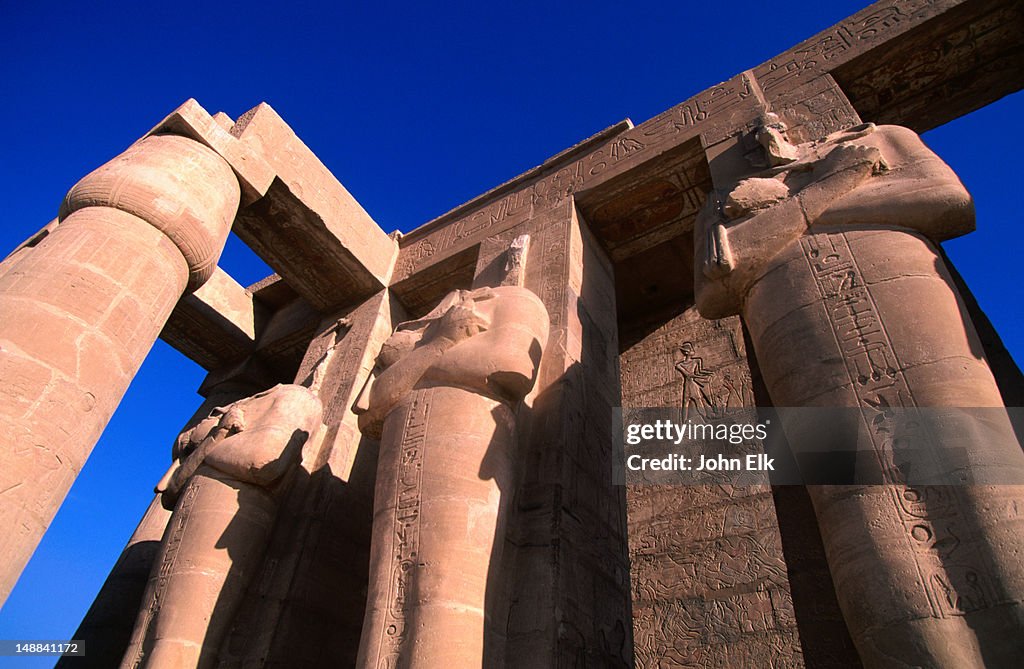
x=443, y=408
x=830, y=256
x=223, y=488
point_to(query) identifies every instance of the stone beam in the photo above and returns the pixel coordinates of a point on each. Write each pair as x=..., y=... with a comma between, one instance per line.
x=511, y=203
x=217, y=324
x=307, y=226
x=939, y=69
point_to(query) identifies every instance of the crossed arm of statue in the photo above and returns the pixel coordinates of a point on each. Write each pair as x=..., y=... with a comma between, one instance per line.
x=487, y=340
x=865, y=176
x=253, y=440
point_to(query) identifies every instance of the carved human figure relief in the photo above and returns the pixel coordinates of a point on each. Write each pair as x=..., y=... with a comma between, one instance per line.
x=830, y=256
x=224, y=484
x=443, y=407
x=696, y=394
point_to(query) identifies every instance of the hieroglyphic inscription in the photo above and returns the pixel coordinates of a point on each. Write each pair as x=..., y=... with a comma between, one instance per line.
x=698, y=110
x=930, y=77
x=815, y=110
x=838, y=44
x=952, y=579
x=550, y=280
x=710, y=587
x=173, y=537
x=678, y=124
x=716, y=113
x=406, y=534
x=545, y=192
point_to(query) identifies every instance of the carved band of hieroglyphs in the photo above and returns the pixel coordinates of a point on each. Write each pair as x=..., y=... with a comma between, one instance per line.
x=688, y=115
x=554, y=240
x=824, y=52
x=175, y=531
x=931, y=515
x=543, y=193
x=408, y=499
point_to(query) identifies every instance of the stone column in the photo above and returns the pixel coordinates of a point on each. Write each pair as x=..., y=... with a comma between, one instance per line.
x=303, y=610
x=80, y=311
x=224, y=489
x=830, y=256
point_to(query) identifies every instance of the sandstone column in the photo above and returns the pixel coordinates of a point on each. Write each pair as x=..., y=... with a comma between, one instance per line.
x=443, y=408
x=830, y=257
x=567, y=565
x=304, y=610
x=80, y=311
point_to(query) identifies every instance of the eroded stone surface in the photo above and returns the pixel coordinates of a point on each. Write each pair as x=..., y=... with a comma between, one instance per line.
x=710, y=586
x=443, y=409
x=926, y=576
x=223, y=487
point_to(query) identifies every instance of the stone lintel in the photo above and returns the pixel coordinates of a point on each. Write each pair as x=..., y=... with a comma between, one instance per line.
x=580, y=148
x=250, y=371
x=512, y=203
x=217, y=324
x=191, y=120
x=307, y=226
x=224, y=325
x=282, y=342
x=939, y=69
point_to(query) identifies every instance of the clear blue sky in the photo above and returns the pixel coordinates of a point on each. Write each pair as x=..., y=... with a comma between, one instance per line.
x=415, y=108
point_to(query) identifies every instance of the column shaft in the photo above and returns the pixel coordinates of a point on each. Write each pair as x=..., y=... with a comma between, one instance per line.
x=80, y=311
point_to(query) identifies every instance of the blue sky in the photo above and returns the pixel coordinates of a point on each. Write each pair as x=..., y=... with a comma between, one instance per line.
x=415, y=108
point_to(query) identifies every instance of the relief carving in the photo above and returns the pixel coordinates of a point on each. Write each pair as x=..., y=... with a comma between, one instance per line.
x=710, y=587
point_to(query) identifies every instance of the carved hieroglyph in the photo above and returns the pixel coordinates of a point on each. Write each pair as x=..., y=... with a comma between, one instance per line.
x=223, y=488
x=442, y=407
x=845, y=229
x=710, y=587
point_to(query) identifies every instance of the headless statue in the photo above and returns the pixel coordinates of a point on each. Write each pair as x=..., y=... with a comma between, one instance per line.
x=442, y=407
x=830, y=256
x=223, y=489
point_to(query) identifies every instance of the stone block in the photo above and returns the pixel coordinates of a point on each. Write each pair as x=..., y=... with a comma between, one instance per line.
x=308, y=227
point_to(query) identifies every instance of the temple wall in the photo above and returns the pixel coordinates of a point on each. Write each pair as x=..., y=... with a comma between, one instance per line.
x=710, y=586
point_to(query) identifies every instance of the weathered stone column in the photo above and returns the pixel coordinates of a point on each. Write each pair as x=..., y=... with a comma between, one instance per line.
x=80, y=311
x=566, y=564
x=830, y=257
